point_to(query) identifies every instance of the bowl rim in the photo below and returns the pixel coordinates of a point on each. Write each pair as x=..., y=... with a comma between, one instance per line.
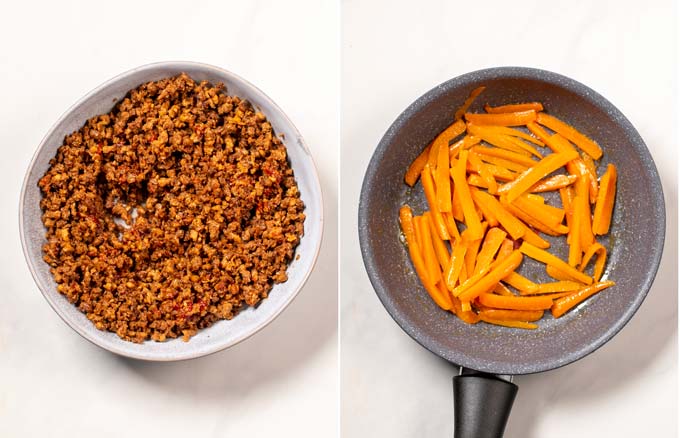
x=417, y=105
x=183, y=354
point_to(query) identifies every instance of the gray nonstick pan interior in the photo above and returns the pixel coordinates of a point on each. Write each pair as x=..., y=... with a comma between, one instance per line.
x=635, y=242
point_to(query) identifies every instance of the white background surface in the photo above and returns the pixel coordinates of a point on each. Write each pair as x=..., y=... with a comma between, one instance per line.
x=395, y=51
x=282, y=381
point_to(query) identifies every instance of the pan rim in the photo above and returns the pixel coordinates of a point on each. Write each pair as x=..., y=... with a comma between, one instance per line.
x=656, y=192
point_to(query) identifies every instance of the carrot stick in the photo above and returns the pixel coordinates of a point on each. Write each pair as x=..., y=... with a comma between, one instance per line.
x=488, y=282
x=553, y=183
x=440, y=249
x=484, y=173
x=536, y=106
x=605, y=201
x=414, y=170
x=570, y=133
x=502, y=289
x=522, y=145
x=550, y=216
x=468, y=102
x=567, y=197
x=556, y=295
x=456, y=205
x=442, y=140
x=428, y=188
x=468, y=317
x=443, y=181
x=600, y=262
x=427, y=249
x=574, y=238
x=408, y=227
x=559, y=144
x=539, y=132
x=521, y=283
x=549, y=259
x=463, y=190
x=471, y=255
x=512, y=315
x=504, y=130
x=509, y=222
x=498, y=172
x=507, y=247
x=534, y=174
x=531, y=237
x=557, y=274
x=506, y=154
x=529, y=220
x=455, y=265
x=591, y=170
x=511, y=324
x=586, y=232
x=562, y=305
x=465, y=143
x=501, y=141
x=486, y=212
x=475, y=179
x=578, y=167
x=451, y=226
x=492, y=243
x=557, y=286
x=516, y=303
x=518, y=118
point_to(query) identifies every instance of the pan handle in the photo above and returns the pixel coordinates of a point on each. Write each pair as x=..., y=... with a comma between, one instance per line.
x=482, y=404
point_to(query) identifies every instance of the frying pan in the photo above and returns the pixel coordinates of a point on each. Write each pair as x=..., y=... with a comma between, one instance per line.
x=489, y=355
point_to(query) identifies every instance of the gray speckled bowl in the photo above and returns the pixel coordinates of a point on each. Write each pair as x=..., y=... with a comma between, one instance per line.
x=636, y=237
x=223, y=334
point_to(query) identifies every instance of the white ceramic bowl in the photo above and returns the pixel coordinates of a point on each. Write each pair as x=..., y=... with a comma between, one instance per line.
x=224, y=333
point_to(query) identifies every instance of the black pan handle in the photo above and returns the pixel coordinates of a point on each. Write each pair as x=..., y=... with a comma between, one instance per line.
x=481, y=404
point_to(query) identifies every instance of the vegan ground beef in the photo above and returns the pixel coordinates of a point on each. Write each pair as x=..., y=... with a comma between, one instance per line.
x=175, y=210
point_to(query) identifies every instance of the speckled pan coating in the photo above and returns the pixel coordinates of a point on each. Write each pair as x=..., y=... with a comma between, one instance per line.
x=636, y=241
x=222, y=334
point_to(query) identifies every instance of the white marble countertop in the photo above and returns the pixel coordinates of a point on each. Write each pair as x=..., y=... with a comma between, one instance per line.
x=53, y=383
x=392, y=387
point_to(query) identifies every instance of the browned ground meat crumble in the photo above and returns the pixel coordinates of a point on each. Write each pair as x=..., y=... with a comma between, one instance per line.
x=175, y=210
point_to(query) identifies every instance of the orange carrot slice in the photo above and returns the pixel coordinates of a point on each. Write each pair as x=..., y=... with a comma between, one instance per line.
x=512, y=315
x=428, y=188
x=553, y=183
x=511, y=324
x=600, y=262
x=492, y=243
x=407, y=224
x=455, y=265
x=534, y=174
x=605, y=201
x=440, y=249
x=509, y=222
x=516, y=303
x=512, y=108
x=463, y=190
x=488, y=282
x=468, y=102
x=512, y=132
x=485, y=173
x=518, y=118
x=551, y=260
x=506, y=154
x=443, y=180
x=521, y=283
x=417, y=166
x=557, y=286
x=563, y=305
x=570, y=133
